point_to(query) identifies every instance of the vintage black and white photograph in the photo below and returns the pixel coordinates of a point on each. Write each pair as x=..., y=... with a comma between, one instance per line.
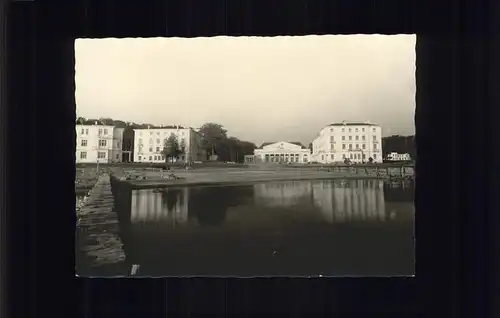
x=245, y=156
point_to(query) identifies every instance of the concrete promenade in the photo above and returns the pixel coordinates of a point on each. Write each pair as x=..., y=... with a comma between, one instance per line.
x=98, y=246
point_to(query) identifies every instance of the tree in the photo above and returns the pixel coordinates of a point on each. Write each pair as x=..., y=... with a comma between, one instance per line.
x=234, y=150
x=119, y=124
x=212, y=135
x=399, y=144
x=106, y=121
x=310, y=146
x=182, y=148
x=171, y=148
x=234, y=145
x=246, y=148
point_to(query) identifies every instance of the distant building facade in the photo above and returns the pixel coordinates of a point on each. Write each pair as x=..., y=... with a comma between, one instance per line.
x=150, y=142
x=356, y=142
x=394, y=156
x=98, y=143
x=281, y=152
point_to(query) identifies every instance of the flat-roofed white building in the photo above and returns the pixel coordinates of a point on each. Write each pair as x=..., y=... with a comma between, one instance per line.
x=355, y=141
x=149, y=144
x=394, y=156
x=98, y=143
x=282, y=152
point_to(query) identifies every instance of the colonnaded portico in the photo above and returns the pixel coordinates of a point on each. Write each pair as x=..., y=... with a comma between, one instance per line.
x=282, y=152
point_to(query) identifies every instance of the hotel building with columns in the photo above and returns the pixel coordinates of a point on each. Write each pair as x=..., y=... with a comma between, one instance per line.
x=281, y=152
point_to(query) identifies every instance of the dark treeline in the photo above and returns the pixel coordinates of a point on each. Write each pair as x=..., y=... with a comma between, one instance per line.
x=399, y=144
x=215, y=140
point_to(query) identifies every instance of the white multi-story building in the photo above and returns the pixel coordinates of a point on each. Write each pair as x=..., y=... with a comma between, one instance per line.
x=98, y=143
x=150, y=142
x=357, y=142
x=282, y=152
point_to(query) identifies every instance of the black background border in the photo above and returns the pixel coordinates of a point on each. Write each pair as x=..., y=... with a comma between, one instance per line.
x=457, y=100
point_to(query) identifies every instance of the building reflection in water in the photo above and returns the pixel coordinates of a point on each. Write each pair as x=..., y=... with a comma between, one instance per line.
x=152, y=205
x=353, y=200
x=281, y=194
x=269, y=228
x=207, y=205
x=338, y=201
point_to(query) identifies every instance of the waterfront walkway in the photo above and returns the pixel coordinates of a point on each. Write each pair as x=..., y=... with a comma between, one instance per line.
x=97, y=242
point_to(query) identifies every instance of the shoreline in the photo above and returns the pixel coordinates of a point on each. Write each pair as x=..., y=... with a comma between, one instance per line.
x=232, y=180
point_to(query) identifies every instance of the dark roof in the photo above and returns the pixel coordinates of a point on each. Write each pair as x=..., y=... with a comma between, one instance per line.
x=273, y=142
x=145, y=126
x=353, y=124
x=98, y=124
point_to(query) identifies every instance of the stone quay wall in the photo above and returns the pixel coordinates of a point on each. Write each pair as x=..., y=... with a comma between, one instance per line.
x=99, y=249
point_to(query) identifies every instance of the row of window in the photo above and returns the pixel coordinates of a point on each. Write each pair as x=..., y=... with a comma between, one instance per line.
x=158, y=133
x=363, y=137
x=100, y=155
x=158, y=141
x=363, y=146
x=283, y=155
x=284, y=159
x=102, y=143
x=350, y=147
x=151, y=158
x=355, y=129
x=351, y=156
x=102, y=131
x=150, y=149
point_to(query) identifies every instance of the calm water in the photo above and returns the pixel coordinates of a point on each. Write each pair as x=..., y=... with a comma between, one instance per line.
x=360, y=228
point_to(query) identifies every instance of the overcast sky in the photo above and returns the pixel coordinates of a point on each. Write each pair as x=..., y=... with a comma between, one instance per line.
x=259, y=88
